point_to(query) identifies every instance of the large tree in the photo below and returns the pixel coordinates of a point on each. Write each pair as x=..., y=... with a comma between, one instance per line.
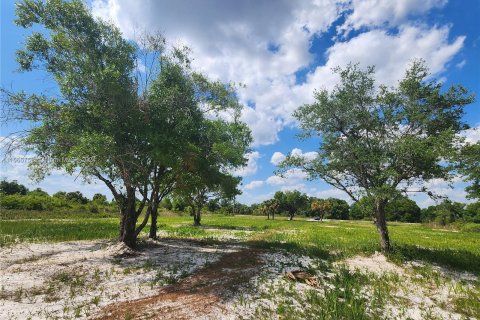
x=378, y=141
x=111, y=120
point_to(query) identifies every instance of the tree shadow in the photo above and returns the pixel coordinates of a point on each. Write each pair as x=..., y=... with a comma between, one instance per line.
x=460, y=260
x=232, y=227
x=292, y=247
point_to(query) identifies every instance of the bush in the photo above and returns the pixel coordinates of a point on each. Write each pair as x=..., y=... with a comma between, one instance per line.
x=93, y=208
x=13, y=187
x=470, y=227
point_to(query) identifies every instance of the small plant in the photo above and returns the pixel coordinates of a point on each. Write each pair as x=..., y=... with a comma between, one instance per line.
x=96, y=300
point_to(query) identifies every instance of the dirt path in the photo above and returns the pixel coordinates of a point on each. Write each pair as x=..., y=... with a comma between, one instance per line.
x=198, y=296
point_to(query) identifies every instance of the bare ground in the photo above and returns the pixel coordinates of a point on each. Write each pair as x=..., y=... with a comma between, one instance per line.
x=186, y=279
x=201, y=295
x=75, y=279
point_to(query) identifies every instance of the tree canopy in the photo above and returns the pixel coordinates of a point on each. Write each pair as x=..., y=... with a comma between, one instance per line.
x=378, y=141
x=133, y=130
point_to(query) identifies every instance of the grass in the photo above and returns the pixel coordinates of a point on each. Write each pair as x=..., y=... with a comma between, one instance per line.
x=331, y=239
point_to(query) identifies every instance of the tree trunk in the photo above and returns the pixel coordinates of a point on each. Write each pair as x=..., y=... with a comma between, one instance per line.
x=128, y=234
x=123, y=214
x=381, y=223
x=153, y=226
x=196, y=217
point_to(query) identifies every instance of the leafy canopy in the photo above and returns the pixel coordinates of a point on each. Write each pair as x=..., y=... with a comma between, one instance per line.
x=380, y=141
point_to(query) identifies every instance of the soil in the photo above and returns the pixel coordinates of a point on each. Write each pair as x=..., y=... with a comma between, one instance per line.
x=198, y=296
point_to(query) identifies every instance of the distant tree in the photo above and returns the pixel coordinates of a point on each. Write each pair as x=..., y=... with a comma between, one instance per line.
x=167, y=204
x=270, y=208
x=178, y=203
x=12, y=187
x=444, y=213
x=60, y=194
x=213, y=205
x=76, y=196
x=362, y=209
x=378, y=141
x=291, y=202
x=99, y=199
x=38, y=192
x=222, y=148
x=472, y=212
x=320, y=207
x=403, y=209
x=340, y=209
x=469, y=166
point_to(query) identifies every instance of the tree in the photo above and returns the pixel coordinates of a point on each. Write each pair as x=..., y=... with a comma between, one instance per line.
x=221, y=149
x=362, y=209
x=340, y=209
x=291, y=202
x=403, y=209
x=469, y=166
x=38, y=192
x=167, y=204
x=76, y=196
x=270, y=207
x=13, y=187
x=472, y=212
x=320, y=207
x=110, y=121
x=100, y=199
x=381, y=142
x=444, y=213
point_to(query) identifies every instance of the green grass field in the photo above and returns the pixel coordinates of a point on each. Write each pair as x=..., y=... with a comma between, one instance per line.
x=459, y=250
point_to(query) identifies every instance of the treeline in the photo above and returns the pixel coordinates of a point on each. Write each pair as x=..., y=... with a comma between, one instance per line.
x=15, y=196
x=402, y=209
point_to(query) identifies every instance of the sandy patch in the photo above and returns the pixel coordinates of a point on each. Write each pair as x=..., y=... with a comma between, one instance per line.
x=75, y=279
x=376, y=263
x=204, y=295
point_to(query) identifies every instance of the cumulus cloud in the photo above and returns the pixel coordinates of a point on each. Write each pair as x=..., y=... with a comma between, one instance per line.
x=254, y=184
x=472, y=135
x=277, y=157
x=252, y=166
x=333, y=193
x=307, y=155
x=293, y=177
x=373, y=13
x=234, y=42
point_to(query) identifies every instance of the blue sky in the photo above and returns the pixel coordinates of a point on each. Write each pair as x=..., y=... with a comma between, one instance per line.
x=282, y=51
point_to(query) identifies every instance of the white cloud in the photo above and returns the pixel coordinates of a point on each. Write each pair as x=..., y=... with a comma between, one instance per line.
x=391, y=54
x=472, y=135
x=299, y=187
x=333, y=193
x=277, y=157
x=290, y=178
x=252, y=167
x=461, y=64
x=307, y=155
x=373, y=13
x=231, y=39
x=254, y=184
x=275, y=180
